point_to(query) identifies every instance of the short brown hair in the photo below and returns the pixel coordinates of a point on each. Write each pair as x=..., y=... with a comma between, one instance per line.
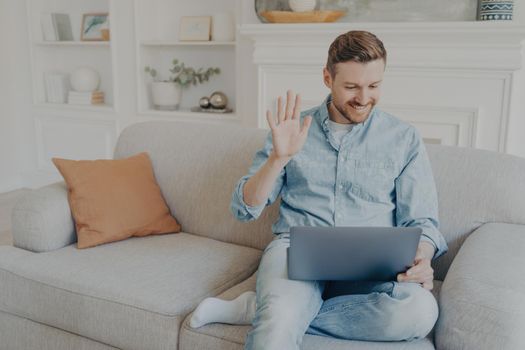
x=357, y=46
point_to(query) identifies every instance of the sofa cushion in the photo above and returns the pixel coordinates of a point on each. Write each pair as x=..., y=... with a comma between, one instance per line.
x=229, y=337
x=482, y=298
x=112, y=200
x=130, y=294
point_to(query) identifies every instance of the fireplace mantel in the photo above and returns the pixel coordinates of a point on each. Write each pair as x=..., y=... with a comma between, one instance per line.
x=483, y=45
x=452, y=80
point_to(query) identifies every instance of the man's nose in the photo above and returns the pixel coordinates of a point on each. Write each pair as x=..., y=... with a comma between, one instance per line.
x=363, y=96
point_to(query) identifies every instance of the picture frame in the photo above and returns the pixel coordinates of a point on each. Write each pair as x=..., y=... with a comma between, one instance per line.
x=195, y=28
x=95, y=27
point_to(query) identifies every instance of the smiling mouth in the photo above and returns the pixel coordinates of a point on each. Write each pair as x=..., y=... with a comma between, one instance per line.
x=358, y=107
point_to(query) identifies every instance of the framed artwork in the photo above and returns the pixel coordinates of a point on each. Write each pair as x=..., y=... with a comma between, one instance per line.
x=195, y=28
x=95, y=27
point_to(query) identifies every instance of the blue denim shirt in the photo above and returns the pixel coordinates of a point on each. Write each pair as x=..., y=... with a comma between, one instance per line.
x=380, y=175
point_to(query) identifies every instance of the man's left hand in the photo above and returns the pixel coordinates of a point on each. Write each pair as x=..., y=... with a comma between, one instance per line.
x=420, y=272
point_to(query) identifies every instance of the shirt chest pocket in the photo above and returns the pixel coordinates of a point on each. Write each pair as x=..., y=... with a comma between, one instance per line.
x=373, y=179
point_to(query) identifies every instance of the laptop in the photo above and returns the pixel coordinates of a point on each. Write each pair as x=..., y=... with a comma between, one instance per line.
x=351, y=253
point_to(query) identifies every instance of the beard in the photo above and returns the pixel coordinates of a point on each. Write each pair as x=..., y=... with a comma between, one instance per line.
x=352, y=112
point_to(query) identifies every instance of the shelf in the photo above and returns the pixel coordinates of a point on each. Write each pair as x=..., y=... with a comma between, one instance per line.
x=186, y=43
x=157, y=33
x=73, y=43
x=189, y=114
x=93, y=108
x=412, y=29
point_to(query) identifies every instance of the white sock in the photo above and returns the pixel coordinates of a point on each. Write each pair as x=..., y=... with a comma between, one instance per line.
x=240, y=311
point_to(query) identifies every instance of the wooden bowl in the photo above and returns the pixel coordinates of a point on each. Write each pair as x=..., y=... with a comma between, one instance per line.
x=302, y=17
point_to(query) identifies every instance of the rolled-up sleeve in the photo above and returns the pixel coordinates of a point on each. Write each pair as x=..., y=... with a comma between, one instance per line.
x=416, y=195
x=238, y=207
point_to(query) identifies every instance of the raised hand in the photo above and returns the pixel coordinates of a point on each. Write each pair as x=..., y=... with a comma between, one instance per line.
x=287, y=133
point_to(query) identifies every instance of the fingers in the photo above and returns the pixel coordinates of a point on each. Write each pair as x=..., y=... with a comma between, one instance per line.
x=297, y=107
x=419, y=276
x=292, y=110
x=420, y=272
x=428, y=285
x=427, y=282
x=280, y=114
x=289, y=106
x=271, y=121
x=416, y=270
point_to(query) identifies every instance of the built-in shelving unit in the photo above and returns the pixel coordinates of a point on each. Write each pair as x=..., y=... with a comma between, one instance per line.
x=157, y=44
x=66, y=56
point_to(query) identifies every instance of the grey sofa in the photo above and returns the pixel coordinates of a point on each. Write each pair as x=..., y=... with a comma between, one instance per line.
x=139, y=293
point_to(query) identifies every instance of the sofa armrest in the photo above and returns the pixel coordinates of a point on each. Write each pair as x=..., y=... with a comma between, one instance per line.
x=41, y=219
x=482, y=299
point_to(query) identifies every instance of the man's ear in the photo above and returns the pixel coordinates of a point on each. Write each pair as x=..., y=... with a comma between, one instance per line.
x=327, y=78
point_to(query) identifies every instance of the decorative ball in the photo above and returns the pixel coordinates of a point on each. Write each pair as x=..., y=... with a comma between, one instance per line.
x=218, y=100
x=84, y=79
x=204, y=102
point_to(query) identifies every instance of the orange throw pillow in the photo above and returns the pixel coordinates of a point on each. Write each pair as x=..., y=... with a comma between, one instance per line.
x=112, y=200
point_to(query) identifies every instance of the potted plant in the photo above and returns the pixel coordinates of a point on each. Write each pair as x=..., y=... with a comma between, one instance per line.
x=167, y=94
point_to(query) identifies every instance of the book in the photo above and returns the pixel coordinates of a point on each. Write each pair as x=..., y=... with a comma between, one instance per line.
x=86, y=98
x=57, y=87
x=48, y=29
x=62, y=26
x=56, y=27
x=85, y=94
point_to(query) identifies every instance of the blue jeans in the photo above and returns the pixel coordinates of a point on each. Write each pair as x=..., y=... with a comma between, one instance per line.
x=287, y=309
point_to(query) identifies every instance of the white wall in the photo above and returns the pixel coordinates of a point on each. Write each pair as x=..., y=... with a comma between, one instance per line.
x=18, y=152
x=9, y=166
x=16, y=130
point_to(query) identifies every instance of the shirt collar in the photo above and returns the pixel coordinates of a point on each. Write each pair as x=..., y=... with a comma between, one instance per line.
x=324, y=116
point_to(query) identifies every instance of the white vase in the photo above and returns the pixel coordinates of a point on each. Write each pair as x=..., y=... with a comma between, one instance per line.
x=302, y=5
x=166, y=95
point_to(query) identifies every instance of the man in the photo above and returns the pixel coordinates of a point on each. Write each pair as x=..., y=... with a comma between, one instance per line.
x=346, y=164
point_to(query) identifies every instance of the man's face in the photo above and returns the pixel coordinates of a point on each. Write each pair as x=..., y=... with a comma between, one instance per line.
x=356, y=88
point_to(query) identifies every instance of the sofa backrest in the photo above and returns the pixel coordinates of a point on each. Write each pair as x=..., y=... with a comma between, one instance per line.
x=475, y=187
x=198, y=164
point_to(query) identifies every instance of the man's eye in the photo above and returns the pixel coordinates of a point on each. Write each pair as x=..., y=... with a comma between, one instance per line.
x=374, y=86
x=350, y=87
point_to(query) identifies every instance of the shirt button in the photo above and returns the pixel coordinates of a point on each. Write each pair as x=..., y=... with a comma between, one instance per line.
x=341, y=186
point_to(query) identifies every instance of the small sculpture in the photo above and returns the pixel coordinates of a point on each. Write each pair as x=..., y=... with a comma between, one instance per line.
x=204, y=102
x=216, y=103
x=85, y=79
x=218, y=100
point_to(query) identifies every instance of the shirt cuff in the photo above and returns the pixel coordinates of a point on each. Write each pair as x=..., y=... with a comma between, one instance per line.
x=427, y=239
x=253, y=212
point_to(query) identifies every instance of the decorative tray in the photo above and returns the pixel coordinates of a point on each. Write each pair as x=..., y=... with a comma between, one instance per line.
x=302, y=17
x=211, y=110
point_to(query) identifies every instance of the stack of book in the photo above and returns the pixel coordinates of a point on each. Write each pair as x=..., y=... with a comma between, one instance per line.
x=57, y=87
x=86, y=98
